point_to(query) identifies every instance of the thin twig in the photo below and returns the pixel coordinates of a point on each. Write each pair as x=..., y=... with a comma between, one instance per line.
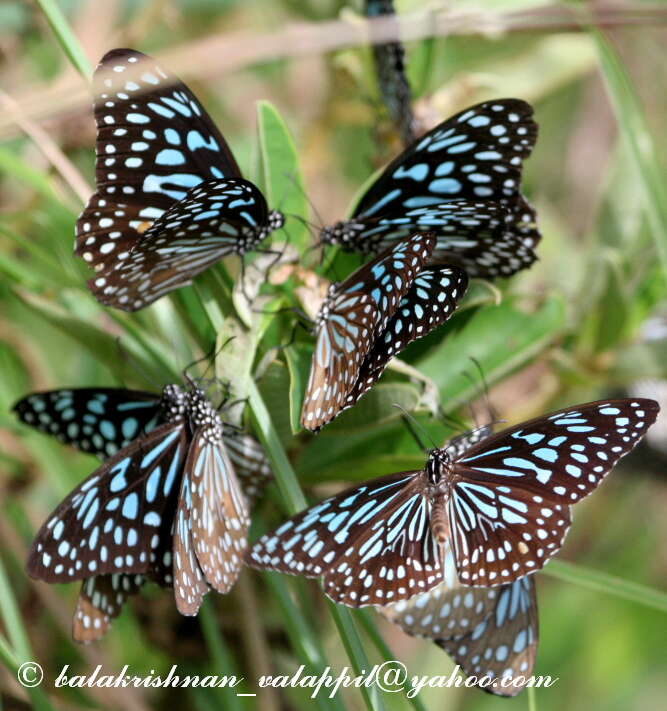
x=49, y=148
x=231, y=51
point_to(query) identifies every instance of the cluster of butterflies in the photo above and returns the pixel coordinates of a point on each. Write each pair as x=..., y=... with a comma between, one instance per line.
x=445, y=552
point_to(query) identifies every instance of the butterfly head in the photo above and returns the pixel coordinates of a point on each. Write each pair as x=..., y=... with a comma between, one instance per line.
x=203, y=415
x=438, y=467
x=173, y=403
x=252, y=235
x=275, y=221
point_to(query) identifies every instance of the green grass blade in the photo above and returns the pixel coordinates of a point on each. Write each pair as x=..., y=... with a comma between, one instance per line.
x=65, y=36
x=13, y=623
x=609, y=584
x=221, y=656
x=642, y=148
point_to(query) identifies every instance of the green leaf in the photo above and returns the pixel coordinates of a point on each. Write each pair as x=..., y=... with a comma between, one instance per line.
x=376, y=407
x=274, y=387
x=298, y=357
x=281, y=173
x=104, y=347
x=501, y=338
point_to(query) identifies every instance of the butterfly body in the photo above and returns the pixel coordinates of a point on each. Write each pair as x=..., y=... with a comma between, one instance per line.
x=170, y=198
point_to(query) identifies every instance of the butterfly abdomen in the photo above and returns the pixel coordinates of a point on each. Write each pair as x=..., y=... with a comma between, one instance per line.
x=440, y=527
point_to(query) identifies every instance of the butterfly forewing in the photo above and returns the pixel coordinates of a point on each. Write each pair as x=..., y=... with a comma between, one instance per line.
x=220, y=518
x=215, y=219
x=431, y=300
x=113, y=521
x=476, y=154
x=154, y=143
x=509, y=506
x=502, y=647
x=352, y=317
x=96, y=420
x=372, y=543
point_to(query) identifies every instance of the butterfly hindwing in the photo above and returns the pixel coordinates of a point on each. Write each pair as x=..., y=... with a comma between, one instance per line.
x=372, y=543
x=114, y=520
x=430, y=301
x=99, y=421
x=101, y=600
x=190, y=584
x=449, y=610
x=502, y=647
x=250, y=462
x=488, y=239
x=509, y=507
x=352, y=317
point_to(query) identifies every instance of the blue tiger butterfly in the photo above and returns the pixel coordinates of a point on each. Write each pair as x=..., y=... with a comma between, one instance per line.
x=460, y=181
x=370, y=317
x=169, y=504
x=490, y=632
x=170, y=198
x=502, y=506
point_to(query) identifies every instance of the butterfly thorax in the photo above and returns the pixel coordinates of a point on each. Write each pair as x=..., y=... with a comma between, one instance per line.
x=438, y=469
x=252, y=236
x=173, y=404
x=347, y=234
x=203, y=415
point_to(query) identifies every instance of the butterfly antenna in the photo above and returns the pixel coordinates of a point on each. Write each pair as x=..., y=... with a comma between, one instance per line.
x=298, y=186
x=209, y=356
x=454, y=422
x=485, y=386
x=136, y=365
x=412, y=425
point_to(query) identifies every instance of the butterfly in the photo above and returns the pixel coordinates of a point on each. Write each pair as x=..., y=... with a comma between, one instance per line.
x=489, y=632
x=503, y=506
x=170, y=198
x=165, y=505
x=370, y=317
x=461, y=181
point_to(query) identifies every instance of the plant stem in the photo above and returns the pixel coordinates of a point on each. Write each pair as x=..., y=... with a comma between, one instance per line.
x=295, y=502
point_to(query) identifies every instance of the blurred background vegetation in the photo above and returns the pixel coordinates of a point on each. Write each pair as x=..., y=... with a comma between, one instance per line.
x=587, y=321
